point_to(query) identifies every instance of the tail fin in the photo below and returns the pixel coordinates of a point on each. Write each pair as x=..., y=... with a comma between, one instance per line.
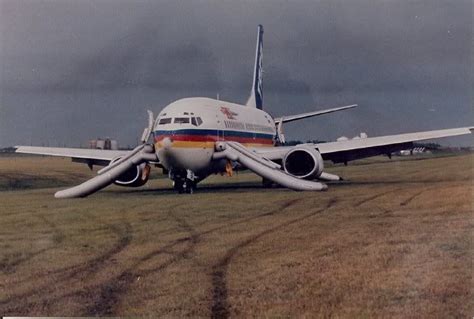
x=256, y=94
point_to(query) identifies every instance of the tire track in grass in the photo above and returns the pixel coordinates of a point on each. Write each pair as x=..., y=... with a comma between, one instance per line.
x=8, y=267
x=284, y=205
x=112, y=290
x=220, y=304
x=68, y=274
x=405, y=202
x=123, y=232
x=414, y=196
x=371, y=198
x=108, y=294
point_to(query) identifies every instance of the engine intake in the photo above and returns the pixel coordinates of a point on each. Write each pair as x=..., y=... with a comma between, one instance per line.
x=304, y=162
x=134, y=177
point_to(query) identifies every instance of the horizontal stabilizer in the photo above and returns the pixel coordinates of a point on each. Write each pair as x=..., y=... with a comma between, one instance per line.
x=290, y=118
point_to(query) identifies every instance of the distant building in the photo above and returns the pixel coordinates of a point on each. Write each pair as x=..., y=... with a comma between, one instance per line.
x=103, y=144
x=357, y=137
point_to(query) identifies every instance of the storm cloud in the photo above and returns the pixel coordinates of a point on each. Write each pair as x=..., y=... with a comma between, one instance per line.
x=75, y=70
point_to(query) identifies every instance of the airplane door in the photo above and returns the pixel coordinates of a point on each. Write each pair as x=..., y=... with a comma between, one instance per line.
x=220, y=131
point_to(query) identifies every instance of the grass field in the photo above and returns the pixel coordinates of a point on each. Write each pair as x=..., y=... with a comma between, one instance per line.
x=395, y=240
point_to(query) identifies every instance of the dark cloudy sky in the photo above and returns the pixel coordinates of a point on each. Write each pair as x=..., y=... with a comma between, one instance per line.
x=74, y=70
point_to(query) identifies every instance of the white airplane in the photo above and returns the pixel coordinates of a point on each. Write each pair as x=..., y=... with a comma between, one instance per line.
x=197, y=137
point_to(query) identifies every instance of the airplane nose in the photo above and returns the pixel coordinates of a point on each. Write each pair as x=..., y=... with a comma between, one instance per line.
x=167, y=143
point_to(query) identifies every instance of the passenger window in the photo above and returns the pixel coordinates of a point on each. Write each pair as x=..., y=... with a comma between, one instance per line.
x=181, y=120
x=165, y=121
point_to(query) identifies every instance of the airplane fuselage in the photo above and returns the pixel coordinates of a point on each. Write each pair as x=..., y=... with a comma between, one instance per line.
x=185, y=132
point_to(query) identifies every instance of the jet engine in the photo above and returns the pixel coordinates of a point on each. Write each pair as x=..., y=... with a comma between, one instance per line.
x=134, y=177
x=303, y=161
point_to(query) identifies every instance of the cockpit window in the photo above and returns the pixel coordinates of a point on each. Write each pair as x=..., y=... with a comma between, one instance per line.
x=166, y=120
x=196, y=121
x=181, y=120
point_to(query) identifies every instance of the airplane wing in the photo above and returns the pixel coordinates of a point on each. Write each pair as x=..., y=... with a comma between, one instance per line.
x=83, y=155
x=344, y=151
x=87, y=155
x=290, y=118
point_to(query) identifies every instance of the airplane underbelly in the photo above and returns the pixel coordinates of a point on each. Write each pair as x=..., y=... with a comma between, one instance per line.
x=195, y=159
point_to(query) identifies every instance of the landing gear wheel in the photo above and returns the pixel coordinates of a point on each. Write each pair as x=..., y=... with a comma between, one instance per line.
x=190, y=190
x=179, y=186
x=189, y=186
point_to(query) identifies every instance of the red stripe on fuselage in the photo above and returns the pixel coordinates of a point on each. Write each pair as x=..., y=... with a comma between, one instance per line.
x=213, y=138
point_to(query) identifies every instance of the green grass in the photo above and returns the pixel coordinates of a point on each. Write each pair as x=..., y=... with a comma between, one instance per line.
x=395, y=240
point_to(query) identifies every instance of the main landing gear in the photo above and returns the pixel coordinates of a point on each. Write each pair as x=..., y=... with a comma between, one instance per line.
x=184, y=183
x=184, y=186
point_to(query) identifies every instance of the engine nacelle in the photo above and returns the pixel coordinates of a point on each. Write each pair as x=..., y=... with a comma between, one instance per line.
x=304, y=162
x=134, y=177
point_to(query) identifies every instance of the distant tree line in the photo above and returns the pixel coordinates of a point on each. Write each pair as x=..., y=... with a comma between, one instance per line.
x=7, y=150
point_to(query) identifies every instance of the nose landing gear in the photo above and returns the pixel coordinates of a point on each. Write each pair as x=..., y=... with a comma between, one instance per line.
x=184, y=183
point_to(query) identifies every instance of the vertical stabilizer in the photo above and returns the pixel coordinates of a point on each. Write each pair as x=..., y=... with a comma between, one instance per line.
x=256, y=94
